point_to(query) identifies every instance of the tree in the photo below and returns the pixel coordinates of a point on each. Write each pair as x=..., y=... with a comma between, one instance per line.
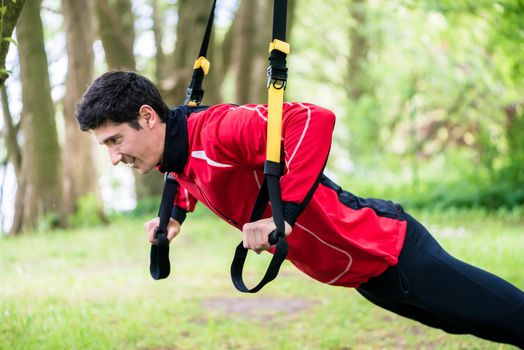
x=357, y=78
x=78, y=159
x=116, y=29
x=243, y=51
x=192, y=20
x=40, y=182
x=9, y=13
x=250, y=36
x=359, y=84
x=9, y=133
x=158, y=34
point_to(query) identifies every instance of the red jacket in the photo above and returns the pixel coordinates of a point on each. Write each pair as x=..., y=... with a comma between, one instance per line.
x=338, y=238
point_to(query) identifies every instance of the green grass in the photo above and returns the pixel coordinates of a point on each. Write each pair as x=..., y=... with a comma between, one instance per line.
x=91, y=289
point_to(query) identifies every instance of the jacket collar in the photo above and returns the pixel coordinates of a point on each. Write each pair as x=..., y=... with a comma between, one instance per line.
x=176, y=142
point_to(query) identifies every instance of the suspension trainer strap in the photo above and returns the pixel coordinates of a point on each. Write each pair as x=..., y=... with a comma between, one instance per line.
x=276, y=84
x=159, y=256
x=195, y=92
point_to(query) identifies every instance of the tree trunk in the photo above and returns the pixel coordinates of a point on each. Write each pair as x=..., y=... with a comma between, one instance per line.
x=14, y=154
x=357, y=78
x=7, y=25
x=41, y=167
x=192, y=20
x=78, y=153
x=514, y=130
x=116, y=29
x=245, y=49
x=158, y=33
x=252, y=33
x=291, y=10
x=10, y=132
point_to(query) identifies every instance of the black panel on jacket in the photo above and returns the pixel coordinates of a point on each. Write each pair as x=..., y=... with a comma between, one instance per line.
x=381, y=207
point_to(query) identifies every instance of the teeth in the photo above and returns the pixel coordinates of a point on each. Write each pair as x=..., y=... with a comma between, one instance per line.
x=130, y=162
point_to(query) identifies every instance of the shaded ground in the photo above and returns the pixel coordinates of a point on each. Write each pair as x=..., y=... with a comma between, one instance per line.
x=258, y=308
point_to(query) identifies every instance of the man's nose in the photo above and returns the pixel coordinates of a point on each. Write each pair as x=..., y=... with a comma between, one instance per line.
x=116, y=157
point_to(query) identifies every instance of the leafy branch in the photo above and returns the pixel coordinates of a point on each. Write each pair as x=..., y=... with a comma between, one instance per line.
x=9, y=13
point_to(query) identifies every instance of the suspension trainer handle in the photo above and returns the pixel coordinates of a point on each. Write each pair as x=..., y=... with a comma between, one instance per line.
x=160, y=266
x=273, y=237
x=237, y=266
x=270, y=189
x=159, y=257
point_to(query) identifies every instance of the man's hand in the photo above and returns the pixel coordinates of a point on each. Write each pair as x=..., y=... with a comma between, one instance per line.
x=173, y=228
x=256, y=234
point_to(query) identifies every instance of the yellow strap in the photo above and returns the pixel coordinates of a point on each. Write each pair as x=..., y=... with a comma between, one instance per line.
x=274, y=123
x=279, y=45
x=203, y=63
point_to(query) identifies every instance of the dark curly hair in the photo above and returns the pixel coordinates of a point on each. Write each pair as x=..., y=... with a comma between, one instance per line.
x=116, y=97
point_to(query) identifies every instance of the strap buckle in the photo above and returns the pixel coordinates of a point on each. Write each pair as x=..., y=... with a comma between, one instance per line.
x=169, y=178
x=193, y=97
x=276, y=77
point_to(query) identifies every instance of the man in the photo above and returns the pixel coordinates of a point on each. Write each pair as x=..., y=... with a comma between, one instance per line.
x=217, y=155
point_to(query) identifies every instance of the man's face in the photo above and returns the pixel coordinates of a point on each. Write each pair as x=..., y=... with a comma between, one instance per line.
x=142, y=149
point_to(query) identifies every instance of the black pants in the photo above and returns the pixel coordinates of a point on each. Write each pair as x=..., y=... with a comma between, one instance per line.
x=430, y=286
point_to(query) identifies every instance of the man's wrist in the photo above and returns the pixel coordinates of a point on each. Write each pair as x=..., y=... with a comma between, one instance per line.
x=291, y=212
x=178, y=214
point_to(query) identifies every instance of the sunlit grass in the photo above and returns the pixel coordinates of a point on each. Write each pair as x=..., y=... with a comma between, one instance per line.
x=91, y=289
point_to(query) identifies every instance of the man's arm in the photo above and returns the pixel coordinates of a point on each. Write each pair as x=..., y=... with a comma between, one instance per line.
x=306, y=134
x=184, y=202
x=239, y=138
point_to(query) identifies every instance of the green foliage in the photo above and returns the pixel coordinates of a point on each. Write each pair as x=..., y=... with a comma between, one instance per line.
x=10, y=40
x=49, y=222
x=467, y=193
x=149, y=206
x=444, y=82
x=145, y=207
x=9, y=13
x=89, y=212
x=513, y=171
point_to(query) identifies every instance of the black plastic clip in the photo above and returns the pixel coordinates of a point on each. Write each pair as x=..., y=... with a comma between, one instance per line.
x=276, y=77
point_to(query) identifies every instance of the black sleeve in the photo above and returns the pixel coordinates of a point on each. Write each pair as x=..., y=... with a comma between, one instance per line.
x=179, y=214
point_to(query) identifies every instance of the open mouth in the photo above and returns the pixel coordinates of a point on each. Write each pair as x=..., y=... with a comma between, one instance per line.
x=130, y=161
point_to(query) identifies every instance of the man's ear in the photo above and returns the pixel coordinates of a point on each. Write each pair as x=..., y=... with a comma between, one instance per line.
x=149, y=116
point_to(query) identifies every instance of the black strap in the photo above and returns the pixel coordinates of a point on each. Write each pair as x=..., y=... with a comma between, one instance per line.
x=159, y=257
x=237, y=266
x=277, y=74
x=160, y=266
x=279, y=19
x=281, y=248
x=195, y=92
x=277, y=70
x=207, y=34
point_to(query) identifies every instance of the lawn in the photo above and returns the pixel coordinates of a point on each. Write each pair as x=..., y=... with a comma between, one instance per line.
x=90, y=289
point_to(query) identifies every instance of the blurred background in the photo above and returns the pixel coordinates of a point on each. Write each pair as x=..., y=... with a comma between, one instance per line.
x=428, y=94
